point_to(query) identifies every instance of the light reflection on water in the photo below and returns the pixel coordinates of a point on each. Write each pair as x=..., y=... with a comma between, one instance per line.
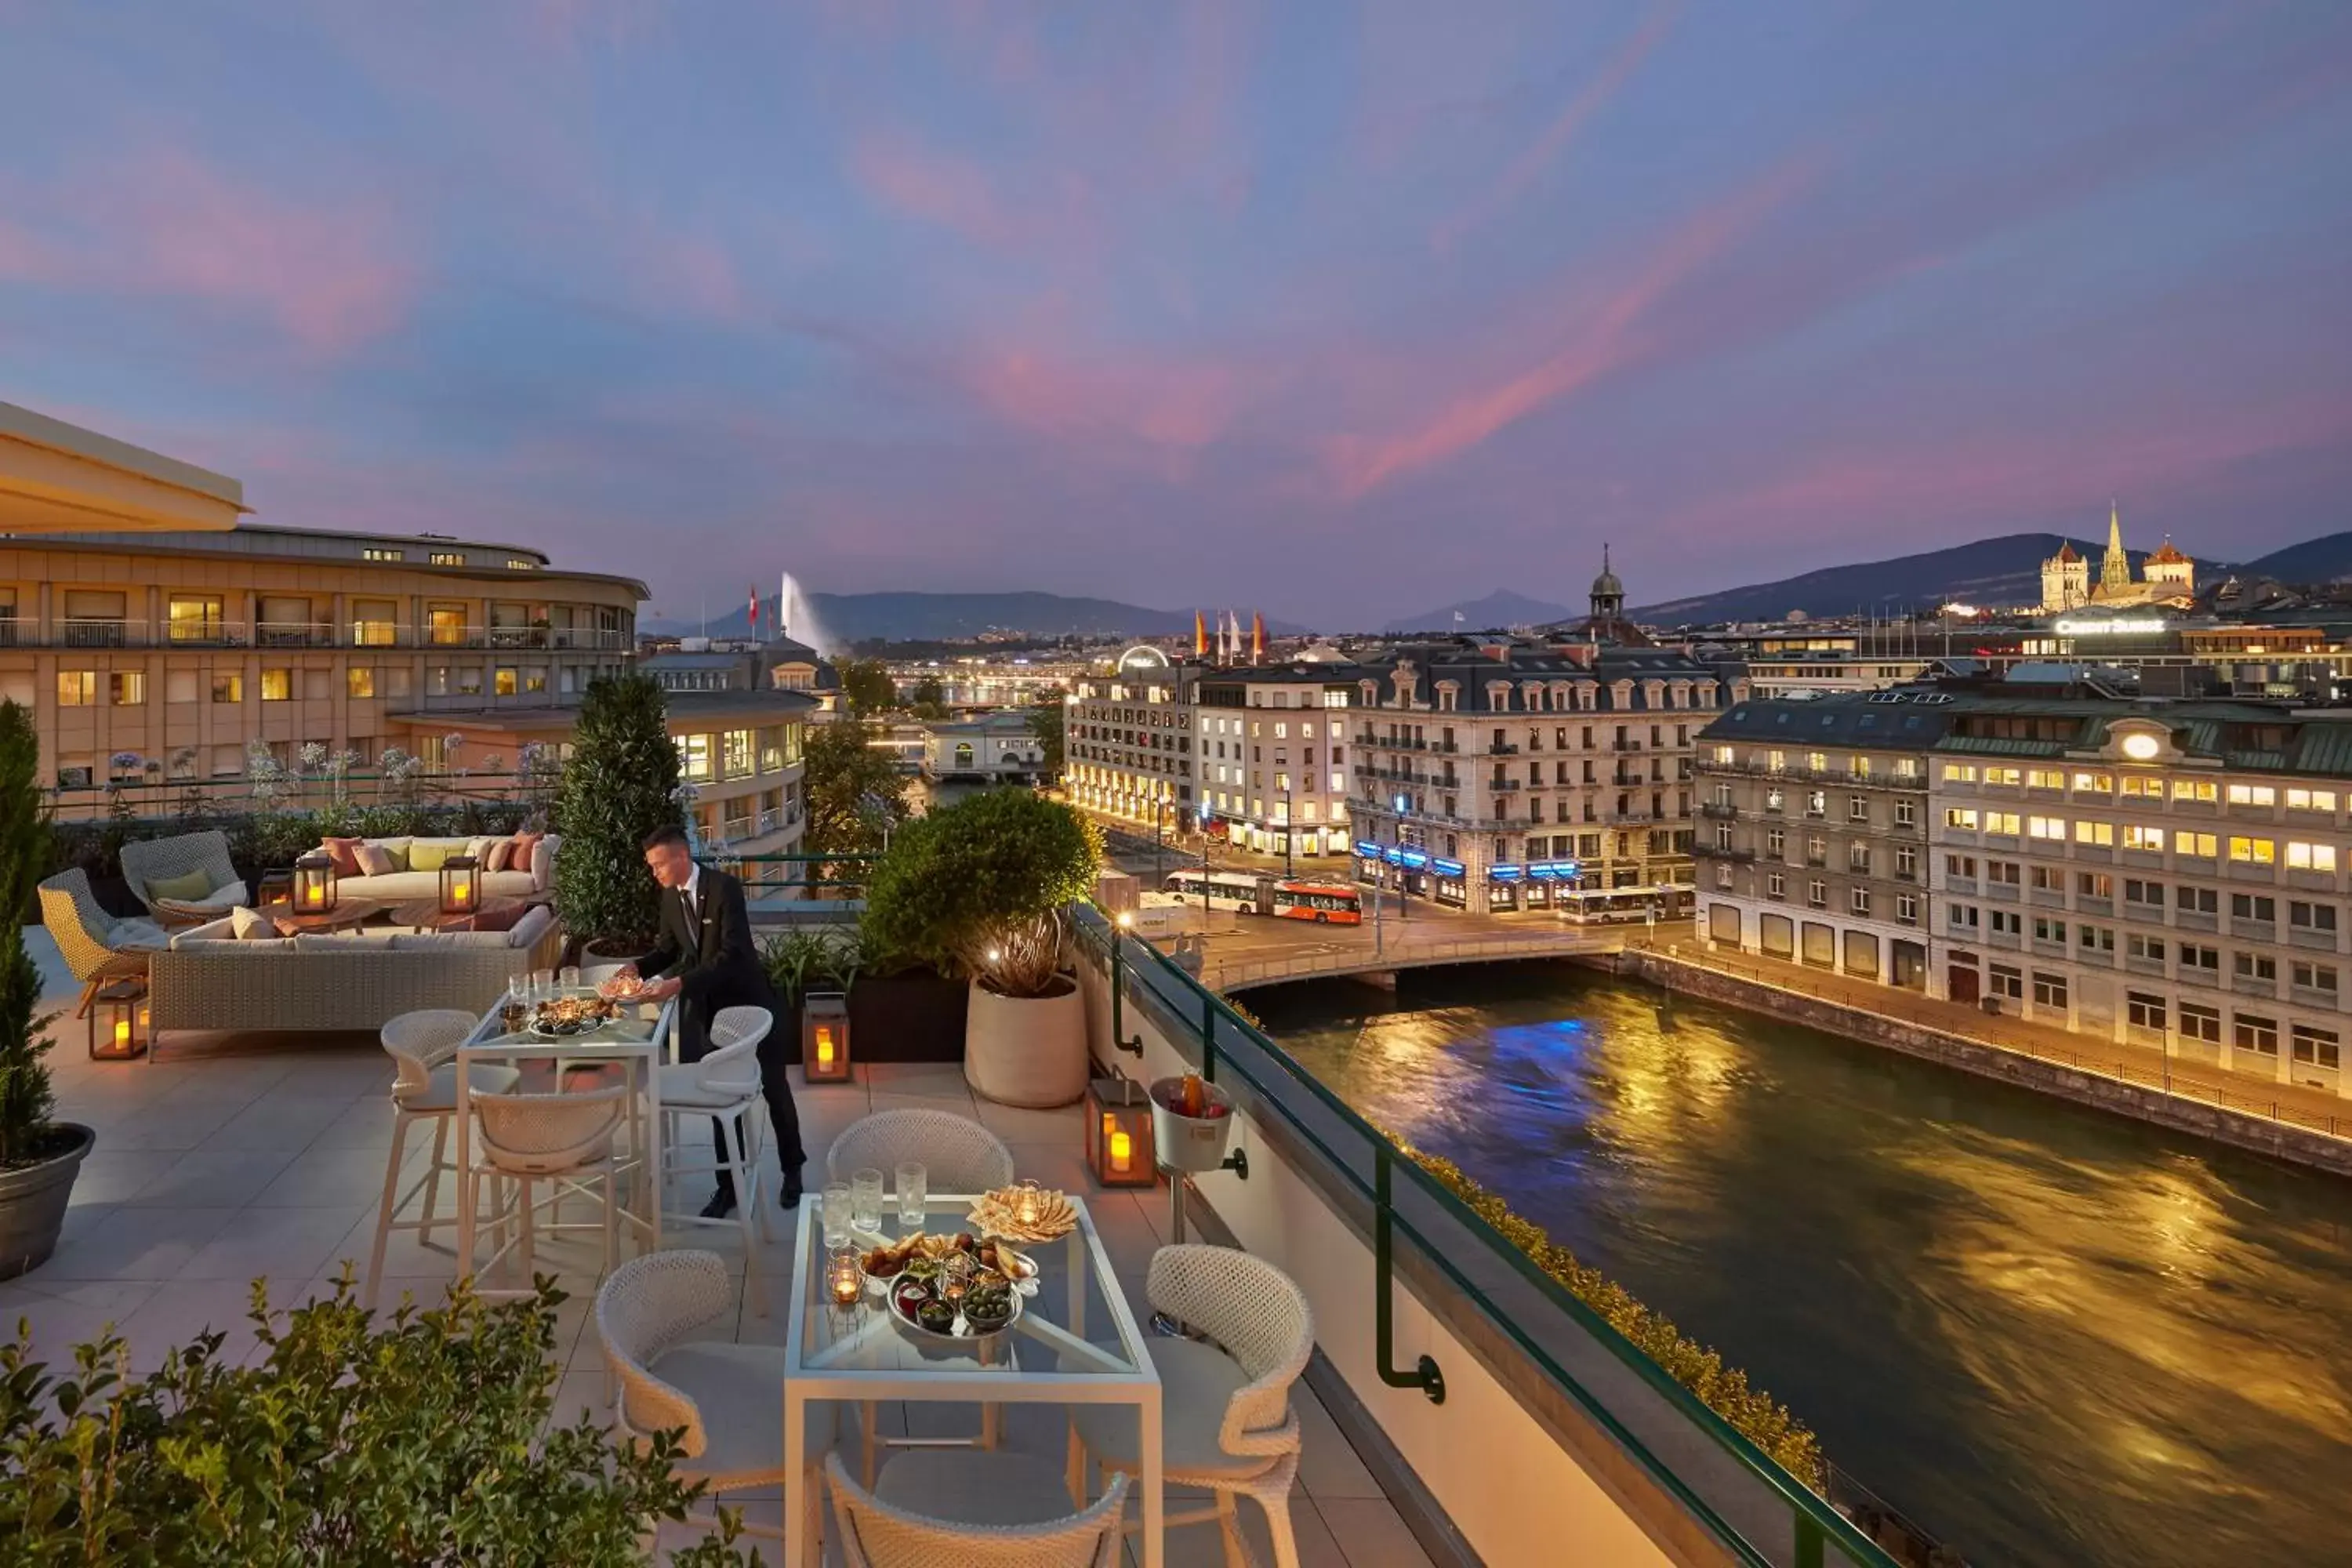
x=2052, y=1336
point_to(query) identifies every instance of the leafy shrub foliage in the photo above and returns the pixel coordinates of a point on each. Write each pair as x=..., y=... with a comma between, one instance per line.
x=981, y=887
x=620, y=784
x=1753, y=1413
x=415, y=1438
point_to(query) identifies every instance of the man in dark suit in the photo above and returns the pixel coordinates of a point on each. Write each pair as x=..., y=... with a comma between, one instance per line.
x=708, y=960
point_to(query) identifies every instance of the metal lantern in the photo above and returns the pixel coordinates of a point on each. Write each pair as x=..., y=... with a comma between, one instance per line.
x=118, y=1022
x=314, y=884
x=461, y=885
x=824, y=1036
x=1118, y=1133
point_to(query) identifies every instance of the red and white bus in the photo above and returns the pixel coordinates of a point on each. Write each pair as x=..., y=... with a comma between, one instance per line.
x=1324, y=903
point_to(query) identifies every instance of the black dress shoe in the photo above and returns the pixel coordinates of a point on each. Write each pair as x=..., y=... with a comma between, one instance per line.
x=791, y=1196
x=720, y=1205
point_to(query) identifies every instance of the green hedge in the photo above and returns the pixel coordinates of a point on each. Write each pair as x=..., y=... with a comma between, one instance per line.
x=1750, y=1411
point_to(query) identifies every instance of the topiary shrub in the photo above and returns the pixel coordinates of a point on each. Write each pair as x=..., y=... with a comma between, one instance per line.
x=621, y=783
x=420, y=1437
x=27, y=1133
x=981, y=887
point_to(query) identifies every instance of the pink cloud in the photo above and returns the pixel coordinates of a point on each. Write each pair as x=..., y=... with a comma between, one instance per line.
x=1602, y=341
x=931, y=186
x=1565, y=126
x=330, y=275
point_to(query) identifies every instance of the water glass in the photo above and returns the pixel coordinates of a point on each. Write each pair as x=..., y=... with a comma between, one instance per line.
x=835, y=1206
x=911, y=1179
x=542, y=984
x=570, y=978
x=865, y=1200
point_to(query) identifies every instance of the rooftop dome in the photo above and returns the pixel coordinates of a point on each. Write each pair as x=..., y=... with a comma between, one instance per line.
x=2166, y=554
x=1606, y=586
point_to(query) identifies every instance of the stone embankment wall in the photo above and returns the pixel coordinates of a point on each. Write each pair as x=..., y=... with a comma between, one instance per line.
x=2240, y=1129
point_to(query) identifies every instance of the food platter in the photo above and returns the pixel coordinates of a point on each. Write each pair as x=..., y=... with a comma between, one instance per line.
x=568, y=1016
x=955, y=1288
x=1025, y=1213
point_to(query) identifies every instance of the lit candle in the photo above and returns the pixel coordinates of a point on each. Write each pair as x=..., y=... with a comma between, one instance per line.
x=314, y=895
x=1122, y=1151
x=824, y=1044
x=843, y=1281
x=123, y=1033
x=1028, y=1209
x=463, y=892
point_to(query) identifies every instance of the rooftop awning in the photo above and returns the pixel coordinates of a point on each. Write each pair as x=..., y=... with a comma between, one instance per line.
x=56, y=478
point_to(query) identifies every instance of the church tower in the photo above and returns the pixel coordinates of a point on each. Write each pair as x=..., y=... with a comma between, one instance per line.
x=2115, y=567
x=2065, y=580
x=1608, y=593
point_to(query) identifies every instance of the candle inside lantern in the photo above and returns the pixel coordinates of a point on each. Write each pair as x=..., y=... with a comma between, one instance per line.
x=1028, y=1210
x=843, y=1281
x=123, y=1033
x=462, y=891
x=1122, y=1151
x=314, y=895
x=824, y=1044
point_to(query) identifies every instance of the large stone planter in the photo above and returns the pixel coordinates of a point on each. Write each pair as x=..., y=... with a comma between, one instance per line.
x=1026, y=1050
x=33, y=1201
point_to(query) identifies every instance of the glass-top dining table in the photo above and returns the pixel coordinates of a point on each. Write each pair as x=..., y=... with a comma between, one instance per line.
x=636, y=1041
x=1075, y=1341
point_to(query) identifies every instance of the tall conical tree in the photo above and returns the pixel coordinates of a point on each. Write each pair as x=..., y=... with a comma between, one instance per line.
x=25, y=1102
x=620, y=783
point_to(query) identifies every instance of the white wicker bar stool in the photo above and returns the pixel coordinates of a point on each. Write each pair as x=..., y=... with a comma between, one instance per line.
x=423, y=1089
x=1226, y=1423
x=935, y=1508
x=522, y=1139
x=725, y=1084
x=723, y=1395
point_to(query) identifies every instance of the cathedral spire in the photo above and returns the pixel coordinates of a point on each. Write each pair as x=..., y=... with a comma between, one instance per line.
x=2115, y=568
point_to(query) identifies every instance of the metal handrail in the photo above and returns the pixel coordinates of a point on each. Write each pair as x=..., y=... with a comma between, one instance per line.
x=1816, y=1523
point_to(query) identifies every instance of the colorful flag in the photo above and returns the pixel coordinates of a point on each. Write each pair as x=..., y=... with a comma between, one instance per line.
x=1200, y=636
x=1257, y=637
x=755, y=609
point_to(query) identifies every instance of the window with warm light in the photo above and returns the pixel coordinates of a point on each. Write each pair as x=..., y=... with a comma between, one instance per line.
x=276, y=686
x=2302, y=857
x=2252, y=851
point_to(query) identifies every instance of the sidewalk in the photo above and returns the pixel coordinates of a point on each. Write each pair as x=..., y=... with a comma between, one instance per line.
x=2147, y=1066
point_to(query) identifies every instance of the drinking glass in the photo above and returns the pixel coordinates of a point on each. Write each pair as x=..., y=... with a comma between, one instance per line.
x=865, y=1200
x=911, y=1178
x=835, y=1207
x=570, y=978
x=542, y=984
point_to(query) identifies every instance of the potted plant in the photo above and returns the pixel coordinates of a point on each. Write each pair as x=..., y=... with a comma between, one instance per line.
x=38, y=1157
x=980, y=888
x=620, y=784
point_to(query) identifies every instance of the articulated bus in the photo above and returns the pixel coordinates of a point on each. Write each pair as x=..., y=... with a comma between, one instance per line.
x=1322, y=903
x=1617, y=906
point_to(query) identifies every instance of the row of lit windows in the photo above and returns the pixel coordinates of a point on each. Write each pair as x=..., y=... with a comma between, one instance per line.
x=2143, y=786
x=2299, y=854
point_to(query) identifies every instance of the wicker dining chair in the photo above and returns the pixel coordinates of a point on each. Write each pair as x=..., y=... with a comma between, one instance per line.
x=1226, y=1423
x=522, y=1139
x=422, y=1045
x=959, y=1154
x=722, y=1394
x=942, y=1508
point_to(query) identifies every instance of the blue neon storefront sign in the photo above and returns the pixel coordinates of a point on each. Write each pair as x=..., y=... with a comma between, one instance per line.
x=1368, y=849
x=1448, y=869
x=1505, y=873
x=1414, y=859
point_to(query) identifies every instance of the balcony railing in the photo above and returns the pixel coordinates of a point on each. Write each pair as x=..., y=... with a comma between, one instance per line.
x=120, y=631
x=1542, y=1357
x=1720, y=810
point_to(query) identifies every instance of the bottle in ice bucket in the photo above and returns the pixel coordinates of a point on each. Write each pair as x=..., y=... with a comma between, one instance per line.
x=1192, y=1096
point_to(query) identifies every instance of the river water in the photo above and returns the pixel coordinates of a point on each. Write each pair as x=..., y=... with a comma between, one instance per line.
x=2051, y=1336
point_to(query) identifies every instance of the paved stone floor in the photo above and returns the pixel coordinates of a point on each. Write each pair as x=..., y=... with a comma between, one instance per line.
x=230, y=1159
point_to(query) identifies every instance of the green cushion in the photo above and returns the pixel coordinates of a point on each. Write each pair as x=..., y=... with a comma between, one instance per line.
x=427, y=854
x=396, y=851
x=187, y=889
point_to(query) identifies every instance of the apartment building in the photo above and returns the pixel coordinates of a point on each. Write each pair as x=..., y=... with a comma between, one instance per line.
x=1508, y=775
x=2169, y=874
x=172, y=649
x=1127, y=739
x=1813, y=839
x=1273, y=745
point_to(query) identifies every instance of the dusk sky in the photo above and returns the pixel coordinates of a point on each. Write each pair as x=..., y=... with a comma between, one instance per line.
x=1339, y=311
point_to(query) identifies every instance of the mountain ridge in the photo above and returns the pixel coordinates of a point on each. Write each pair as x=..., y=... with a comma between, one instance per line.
x=846, y=619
